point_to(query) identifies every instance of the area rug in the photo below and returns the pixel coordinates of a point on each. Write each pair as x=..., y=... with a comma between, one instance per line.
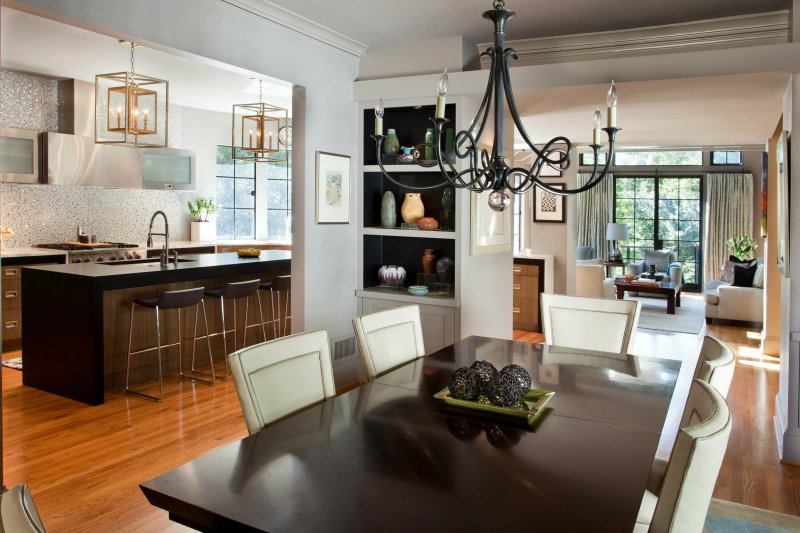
x=15, y=363
x=729, y=517
x=688, y=318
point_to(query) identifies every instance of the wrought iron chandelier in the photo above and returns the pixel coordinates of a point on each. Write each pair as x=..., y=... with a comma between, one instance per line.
x=490, y=171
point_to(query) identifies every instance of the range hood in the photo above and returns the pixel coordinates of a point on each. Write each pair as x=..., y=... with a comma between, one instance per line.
x=79, y=161
x=73, y=160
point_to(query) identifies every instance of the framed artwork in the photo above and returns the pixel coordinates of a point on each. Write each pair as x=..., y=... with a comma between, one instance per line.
x=782, y=161
x=333, y=188
x=548, y=207
x=491, y=232
x=549, y=172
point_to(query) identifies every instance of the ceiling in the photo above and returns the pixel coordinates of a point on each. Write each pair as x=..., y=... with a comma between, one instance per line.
x=380, y=22
x=719, y=111
x=42, y=46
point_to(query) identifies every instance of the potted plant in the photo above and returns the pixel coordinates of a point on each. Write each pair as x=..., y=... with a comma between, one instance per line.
x=202, y=228
x=741, y=246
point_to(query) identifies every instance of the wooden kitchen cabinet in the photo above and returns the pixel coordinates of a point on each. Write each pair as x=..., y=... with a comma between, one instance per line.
x=12, y=303
x=527, y=285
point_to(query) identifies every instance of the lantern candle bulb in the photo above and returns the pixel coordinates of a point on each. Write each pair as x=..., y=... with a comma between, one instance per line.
x=612, y=106
x=441, y=93
x=146, y=114
x=251, y=138
x=270, y=140
x=379, y=118
x=597, y=119
x=119, y=117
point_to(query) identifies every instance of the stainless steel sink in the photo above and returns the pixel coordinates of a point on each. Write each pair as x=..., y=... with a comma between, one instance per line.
x=146, y=261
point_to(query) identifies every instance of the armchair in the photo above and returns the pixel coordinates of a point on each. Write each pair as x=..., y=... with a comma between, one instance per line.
x=665, y=263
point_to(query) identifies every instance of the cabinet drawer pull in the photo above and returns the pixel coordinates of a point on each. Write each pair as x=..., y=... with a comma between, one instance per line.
x=516, y=286
x=517, y=270
x=11, y=294
x=11, y=272
x=516, y=310
x=12, y=324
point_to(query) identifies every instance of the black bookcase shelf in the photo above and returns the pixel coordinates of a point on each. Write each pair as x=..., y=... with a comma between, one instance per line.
x=401, y=251
x=409, y=123
x=375, y=185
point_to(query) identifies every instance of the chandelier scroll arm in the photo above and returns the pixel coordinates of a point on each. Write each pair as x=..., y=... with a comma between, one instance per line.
x=378, y=145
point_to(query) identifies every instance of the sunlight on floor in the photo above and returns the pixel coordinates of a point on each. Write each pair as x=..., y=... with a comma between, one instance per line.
x=755, y=353
x=756, y=335
x=761, y=364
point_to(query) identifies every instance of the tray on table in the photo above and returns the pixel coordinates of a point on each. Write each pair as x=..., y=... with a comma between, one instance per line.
x=530, y=407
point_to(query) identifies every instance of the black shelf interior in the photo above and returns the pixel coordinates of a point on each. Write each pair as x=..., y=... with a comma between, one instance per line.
x=375, y=184
x=401, y=251
x=409, y=123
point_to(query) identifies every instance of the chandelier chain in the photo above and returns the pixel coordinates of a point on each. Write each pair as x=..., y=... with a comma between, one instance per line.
x=132, y=47
x=259, y=92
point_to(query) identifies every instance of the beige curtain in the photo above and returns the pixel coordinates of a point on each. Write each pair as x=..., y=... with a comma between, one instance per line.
x=728, y=212
x=594, y=214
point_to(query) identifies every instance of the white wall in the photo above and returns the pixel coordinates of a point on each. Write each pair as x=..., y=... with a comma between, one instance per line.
x=324, y=289
x=422, y=56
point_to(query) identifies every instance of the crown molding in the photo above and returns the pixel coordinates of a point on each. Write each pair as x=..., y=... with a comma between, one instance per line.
x=299, y=26
x=728, y=32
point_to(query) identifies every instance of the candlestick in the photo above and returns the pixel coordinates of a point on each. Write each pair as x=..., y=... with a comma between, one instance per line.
x=146, y=114
x=251, y=138
x=441, y=93
x=270, y=140
x=612, y=106
x=119, y=117
x=379, y=118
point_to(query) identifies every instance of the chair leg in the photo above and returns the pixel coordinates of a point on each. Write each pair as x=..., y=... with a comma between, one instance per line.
x=225, y=334
x=208, y=341
x=130, y=342
x=158, y=338
x=274, y=318
x=246, y=314
x=261, y=315
x=194, y=349
x=286, y=316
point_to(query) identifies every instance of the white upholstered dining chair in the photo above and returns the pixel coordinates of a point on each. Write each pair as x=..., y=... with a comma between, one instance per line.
x=388, y=339
x=682, y=501
x=279, y=377
x=716, y=364
x=18, y=513
x=597, y=324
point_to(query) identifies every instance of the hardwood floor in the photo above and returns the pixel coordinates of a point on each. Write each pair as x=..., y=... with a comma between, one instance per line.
x=84, y=463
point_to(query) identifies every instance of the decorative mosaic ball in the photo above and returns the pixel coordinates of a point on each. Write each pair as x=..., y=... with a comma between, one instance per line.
x=463, y=429
x=506, y=390
x=463, y=384
x=486, y=374
x=501, y=436
x=521, y=374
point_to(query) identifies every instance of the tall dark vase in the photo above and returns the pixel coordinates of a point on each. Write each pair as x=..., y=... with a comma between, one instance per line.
x=388, y=210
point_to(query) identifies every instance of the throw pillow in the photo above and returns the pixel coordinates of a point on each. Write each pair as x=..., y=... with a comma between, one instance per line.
x=758, y=279
x=733, y=261
x=743, y=275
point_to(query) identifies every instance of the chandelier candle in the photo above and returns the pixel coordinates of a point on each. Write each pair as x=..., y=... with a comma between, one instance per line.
x=597, y=119
x=379, y=118
x=441, y=93
x=612, y=106
x=487, y=169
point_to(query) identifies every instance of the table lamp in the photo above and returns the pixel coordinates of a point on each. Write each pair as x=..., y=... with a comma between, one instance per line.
x=616, y=233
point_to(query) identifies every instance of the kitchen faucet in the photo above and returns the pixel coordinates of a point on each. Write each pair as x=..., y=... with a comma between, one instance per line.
x=165, y=253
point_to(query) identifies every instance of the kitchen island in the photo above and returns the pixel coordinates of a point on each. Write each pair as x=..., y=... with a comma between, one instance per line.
x=77, y=317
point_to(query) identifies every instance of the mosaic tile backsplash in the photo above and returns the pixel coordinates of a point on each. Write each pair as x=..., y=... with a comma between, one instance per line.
x=49, y=213
x=29, y=102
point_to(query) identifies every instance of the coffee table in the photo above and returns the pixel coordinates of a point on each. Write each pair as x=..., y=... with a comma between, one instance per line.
x=668, y=288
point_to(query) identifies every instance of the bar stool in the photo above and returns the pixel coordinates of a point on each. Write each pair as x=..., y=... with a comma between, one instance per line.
x=234, y=291
x=275, y=286
x=169, y=300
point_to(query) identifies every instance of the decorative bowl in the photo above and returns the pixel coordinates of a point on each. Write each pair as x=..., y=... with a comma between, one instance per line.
x=418, y=290
x=427, y=224
x=628, y=278
x=248, y=252
x=392, y=275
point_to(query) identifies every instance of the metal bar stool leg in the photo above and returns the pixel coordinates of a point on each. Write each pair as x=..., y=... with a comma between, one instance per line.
x=286, y=315
x=194, y=349
x=130, y=343
x=275, y=319
x=261, y=315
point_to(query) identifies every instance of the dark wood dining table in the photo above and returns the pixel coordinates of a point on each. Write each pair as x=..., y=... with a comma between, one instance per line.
x=388, y=456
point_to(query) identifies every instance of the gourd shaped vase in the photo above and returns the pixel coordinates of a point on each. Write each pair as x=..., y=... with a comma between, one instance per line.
x=388, y=210
x=412, y=209
x=391, y=144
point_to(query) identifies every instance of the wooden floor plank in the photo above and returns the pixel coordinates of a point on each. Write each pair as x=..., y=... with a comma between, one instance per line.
x=84, y=463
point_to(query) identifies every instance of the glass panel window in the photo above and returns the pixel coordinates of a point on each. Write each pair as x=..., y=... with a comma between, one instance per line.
x=588, y=159
x=726, y=157
x=660, y=158
x=236, y=196
x=279, y=200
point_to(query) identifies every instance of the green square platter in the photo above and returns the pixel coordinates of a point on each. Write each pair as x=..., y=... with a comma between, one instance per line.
x=530, y=406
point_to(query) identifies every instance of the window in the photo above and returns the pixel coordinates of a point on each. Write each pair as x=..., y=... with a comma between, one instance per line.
x=588, y=159
x=236, y=196
x=662, y=212
x=279, y=200
x=659, y=158
x=726, y=157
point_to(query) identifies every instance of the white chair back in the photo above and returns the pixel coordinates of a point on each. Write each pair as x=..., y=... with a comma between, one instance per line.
x=18, y=513
x=716, y=364
x=388, y=339
x=276, y=378
x=694, y=464
x=598, y=324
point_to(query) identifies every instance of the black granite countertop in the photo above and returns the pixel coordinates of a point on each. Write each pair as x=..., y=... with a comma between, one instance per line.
x=115, y=275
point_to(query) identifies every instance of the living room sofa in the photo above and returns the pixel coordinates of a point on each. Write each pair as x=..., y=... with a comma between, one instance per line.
x=741, y=304
x=665, y=263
